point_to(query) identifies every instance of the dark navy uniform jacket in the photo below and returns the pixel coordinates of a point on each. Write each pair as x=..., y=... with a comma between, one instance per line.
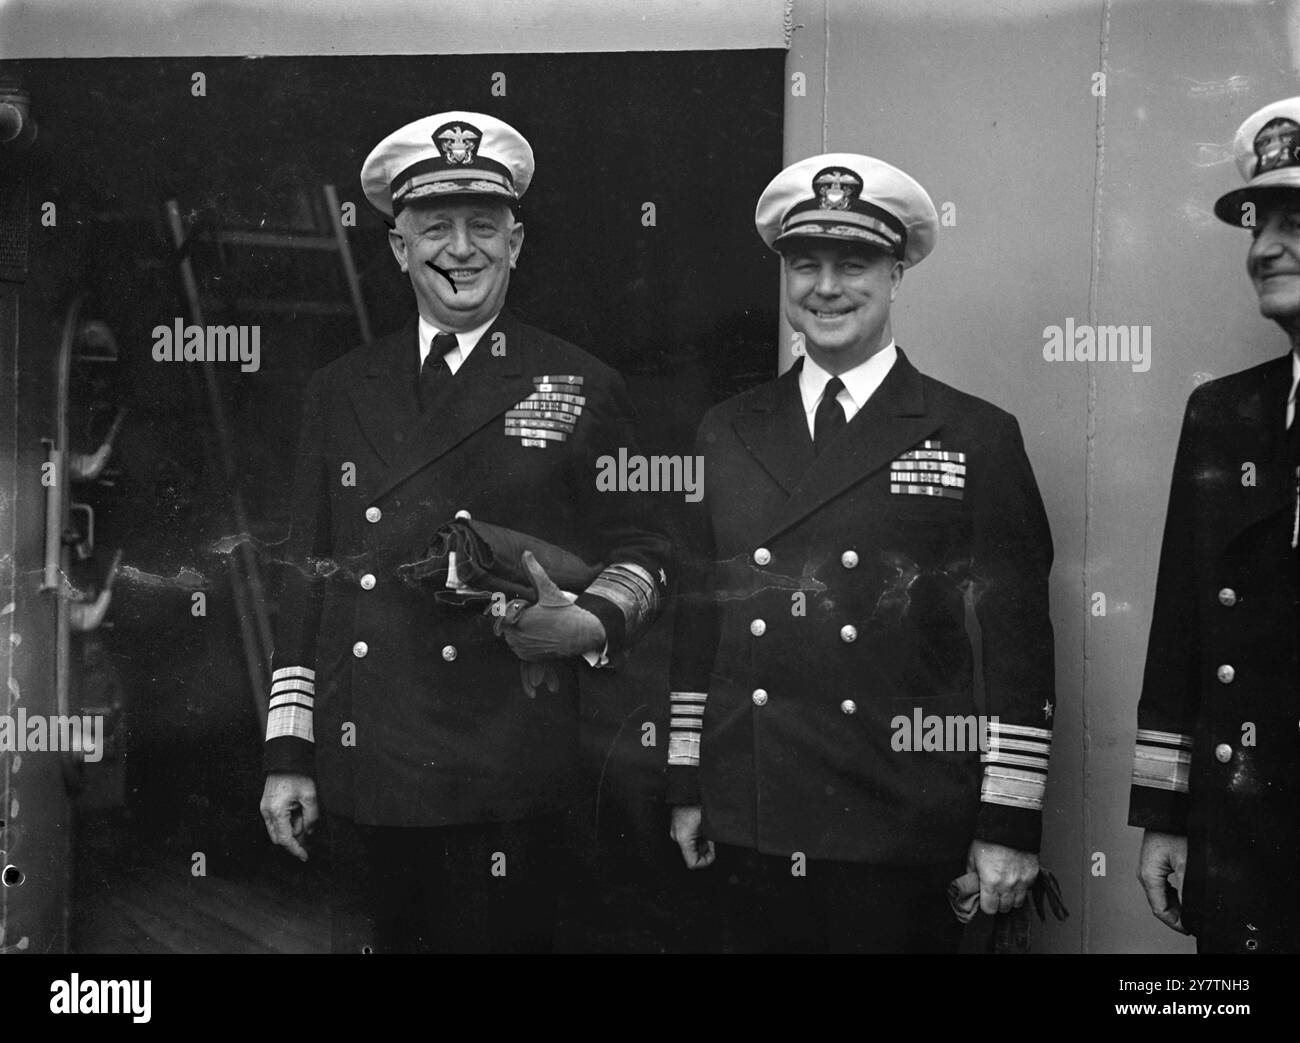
x=826, y=602
x=1218, y=742
x=407, y=711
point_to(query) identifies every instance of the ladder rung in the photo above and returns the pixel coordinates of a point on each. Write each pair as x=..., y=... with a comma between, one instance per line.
x=278, y=307
x=288, y=241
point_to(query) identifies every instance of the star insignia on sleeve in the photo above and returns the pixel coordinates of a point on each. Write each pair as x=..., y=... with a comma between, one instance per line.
x=1047, y=710
x=663, y=577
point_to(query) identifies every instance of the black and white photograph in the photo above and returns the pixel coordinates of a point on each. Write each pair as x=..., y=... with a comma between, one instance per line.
x=713, y=478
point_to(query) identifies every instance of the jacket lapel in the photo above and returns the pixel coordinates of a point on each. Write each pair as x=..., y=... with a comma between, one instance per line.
x=893, y=421
x=384, y=399
x=483, y=389
x=1262, y=410
x=775, y=430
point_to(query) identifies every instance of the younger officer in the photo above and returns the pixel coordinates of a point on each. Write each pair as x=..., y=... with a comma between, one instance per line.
x=443, y=758
x=825, y=744
x=1216, y=777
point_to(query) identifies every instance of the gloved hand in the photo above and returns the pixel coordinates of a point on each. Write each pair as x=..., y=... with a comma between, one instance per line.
x=553, y=628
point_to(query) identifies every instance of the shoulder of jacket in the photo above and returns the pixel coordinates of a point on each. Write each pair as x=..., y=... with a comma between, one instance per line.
x=1231, y=386
x=554, y=355
x=760, y=398
x=350, y=364
x=945, y=398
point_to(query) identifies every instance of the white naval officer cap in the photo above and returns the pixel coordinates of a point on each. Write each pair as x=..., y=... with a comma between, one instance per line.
x=1267, y=153
x=851, y=198
x=447, y=154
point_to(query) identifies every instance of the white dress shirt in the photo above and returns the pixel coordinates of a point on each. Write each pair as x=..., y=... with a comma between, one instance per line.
x=860, y=383
x=1295, y=381
x=465, y=341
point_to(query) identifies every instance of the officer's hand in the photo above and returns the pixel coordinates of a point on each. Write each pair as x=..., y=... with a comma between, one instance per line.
x=1005, y=875
x=290, y=811
x=697, y=852
x=553, y=628
x=1163, y=855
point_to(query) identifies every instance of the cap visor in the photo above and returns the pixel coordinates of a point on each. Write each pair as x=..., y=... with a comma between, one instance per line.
x=1228, y=207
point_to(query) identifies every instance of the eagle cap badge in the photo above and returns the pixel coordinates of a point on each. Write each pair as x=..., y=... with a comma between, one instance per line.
x=458, y=142
x=837, y=188
x=1277, y=145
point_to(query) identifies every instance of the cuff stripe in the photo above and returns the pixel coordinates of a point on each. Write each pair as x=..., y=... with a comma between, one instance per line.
x=292, y=699
x=1013, y=788
x=684, y=750
x=1023, y=745
x=632, y=590
x=1151, y=737
x=286, y=687
x=1016, y=756
x=1160, y=767
x=1032, y=763
x=685, y=723
x=291, y=720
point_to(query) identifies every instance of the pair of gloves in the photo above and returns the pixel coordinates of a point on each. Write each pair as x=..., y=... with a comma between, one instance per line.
x=551, y=626
x=513, y=575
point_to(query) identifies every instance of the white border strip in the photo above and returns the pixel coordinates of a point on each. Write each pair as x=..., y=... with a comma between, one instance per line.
x=180, y=28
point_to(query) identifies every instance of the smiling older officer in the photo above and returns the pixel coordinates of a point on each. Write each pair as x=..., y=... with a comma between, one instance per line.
x=442, y=761
x=853, y=508
x=1216, y=776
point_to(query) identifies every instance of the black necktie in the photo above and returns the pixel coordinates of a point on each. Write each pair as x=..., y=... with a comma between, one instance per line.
x=829, y=420
x=434, y=370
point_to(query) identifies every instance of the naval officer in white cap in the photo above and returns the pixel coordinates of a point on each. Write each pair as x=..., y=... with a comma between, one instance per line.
x=826, y=746
x=1216, y=774
x=443, y=755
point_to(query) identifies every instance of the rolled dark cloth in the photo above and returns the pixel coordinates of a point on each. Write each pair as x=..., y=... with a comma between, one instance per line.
x=470, y=561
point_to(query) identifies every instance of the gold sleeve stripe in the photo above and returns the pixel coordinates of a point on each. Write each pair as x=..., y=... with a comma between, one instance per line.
x=1012, y=747
x=289, y=711
x=1035, y=763
x=684, y=750
x=632, y=590
x=292, y=699
x=1042, y=749
x=1151, y=737
x=305, y=687
x=1013, y=788
x=290, y=720
x=685, y=723
x=1162, y=767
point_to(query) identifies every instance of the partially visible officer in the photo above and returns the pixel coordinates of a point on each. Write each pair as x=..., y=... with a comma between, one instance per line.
x=854, y=507
x=442, y=768
x=1216, y=777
